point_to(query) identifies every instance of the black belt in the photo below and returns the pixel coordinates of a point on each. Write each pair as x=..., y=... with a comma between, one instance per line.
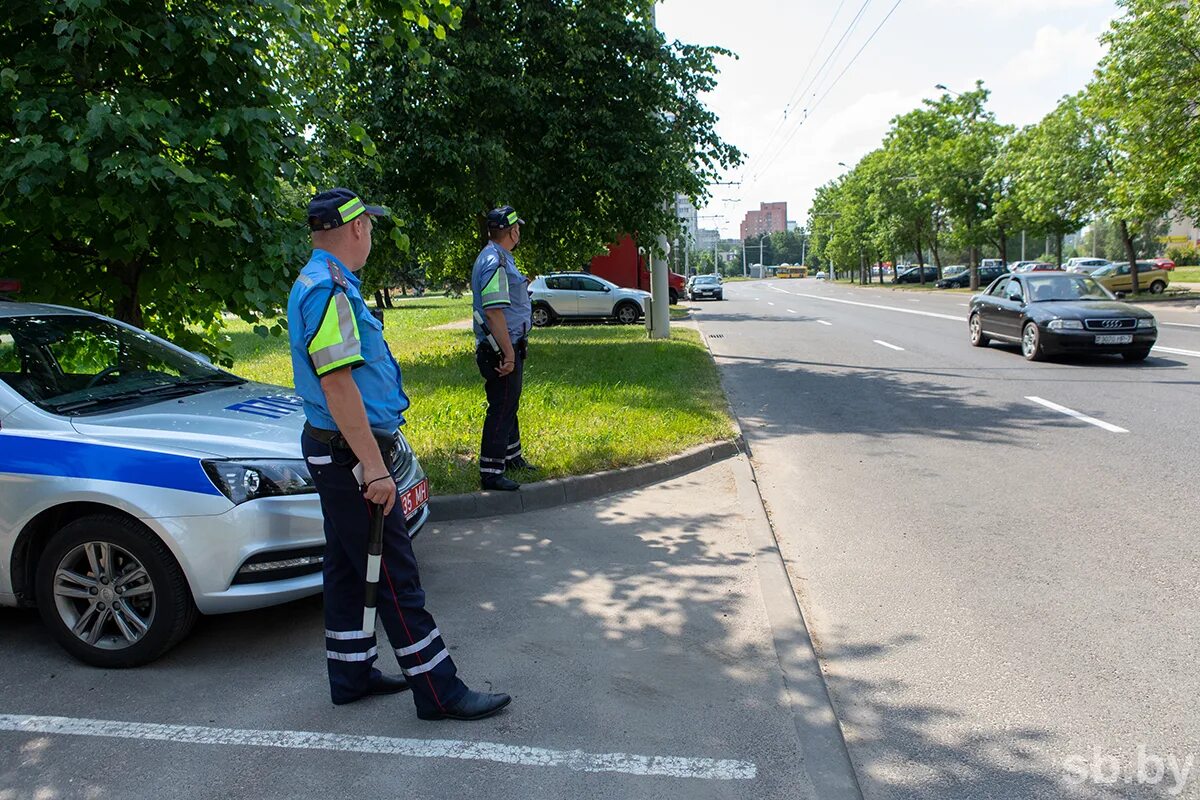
x=389, y=443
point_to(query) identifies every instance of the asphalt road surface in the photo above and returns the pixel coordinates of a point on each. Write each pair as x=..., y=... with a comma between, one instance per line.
x=1003, y=595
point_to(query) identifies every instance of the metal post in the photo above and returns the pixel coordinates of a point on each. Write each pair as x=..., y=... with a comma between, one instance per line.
x=1022, y=245
x=660, y=292
x=744, y=273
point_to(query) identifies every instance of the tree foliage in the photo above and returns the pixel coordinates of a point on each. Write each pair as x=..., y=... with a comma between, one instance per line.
x=577, y=113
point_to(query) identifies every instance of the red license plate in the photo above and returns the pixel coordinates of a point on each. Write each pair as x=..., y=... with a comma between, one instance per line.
x=412, y=500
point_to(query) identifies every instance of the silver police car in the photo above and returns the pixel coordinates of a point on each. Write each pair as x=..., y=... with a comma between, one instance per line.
x=140, y=485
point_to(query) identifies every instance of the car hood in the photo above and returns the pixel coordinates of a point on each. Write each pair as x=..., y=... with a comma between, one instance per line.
x=1078, y=309
x=253, y=420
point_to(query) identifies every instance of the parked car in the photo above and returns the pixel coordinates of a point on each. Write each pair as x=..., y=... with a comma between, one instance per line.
x=962, y=280
x=1085, y=266
x=954, y=269
x=1035, y=266
x=140, y=485
x=913, y=275
x=992, y=263
x=822, y=275
x=578, y=295
x=707, y=286
x=1060, y=313
x=1118, y=277
x=1164, y=263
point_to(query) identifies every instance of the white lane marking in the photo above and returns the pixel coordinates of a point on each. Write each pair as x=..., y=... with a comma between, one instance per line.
x=886, y=308
x=1176, y=351
x=664, y=766
x=1099, y=423
x=770, y=303
x=885, y=344
x=791, y=311
x=913, y=300
x=1179, y=324
x=965, y=305
x=823, y=322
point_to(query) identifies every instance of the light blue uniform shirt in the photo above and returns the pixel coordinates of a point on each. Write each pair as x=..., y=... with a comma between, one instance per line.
x=496, y=283
x=330, y=327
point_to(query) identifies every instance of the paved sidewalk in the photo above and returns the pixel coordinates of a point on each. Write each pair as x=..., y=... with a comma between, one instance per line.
x=645, y=637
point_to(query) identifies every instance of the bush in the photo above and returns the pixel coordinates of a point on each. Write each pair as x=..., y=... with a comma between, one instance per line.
x=1184, y=255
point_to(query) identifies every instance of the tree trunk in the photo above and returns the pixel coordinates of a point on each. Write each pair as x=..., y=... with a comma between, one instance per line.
x=379, y=298
x=1003, y=244
x=920, y=258
x=387, y=297
x=974, y=267
x=128, y=307
x=1058, y=246
x=1130, y=254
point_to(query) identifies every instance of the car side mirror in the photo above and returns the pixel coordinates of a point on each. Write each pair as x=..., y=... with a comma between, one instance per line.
x=1016, y=297
x=1121, y=295
x=607, y=289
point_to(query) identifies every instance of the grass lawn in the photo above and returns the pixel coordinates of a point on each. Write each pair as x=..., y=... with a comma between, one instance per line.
x=1185, y=275
x=596, y=397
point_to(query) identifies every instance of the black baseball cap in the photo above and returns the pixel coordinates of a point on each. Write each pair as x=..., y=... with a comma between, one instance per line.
x=504, y=217
x=336, y=207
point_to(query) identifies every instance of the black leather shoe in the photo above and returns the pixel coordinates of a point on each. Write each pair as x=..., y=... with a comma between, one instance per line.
x=519, y=463
x=498, y=483
x=473, y=705
x=379, y=684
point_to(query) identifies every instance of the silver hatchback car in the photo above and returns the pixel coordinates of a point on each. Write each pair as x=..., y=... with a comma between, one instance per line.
x=140, y=485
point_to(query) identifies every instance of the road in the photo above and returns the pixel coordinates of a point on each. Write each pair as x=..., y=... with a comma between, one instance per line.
x=1003, y=596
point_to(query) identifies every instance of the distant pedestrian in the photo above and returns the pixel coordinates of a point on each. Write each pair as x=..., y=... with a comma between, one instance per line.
x=354, y=401
x=501, y=300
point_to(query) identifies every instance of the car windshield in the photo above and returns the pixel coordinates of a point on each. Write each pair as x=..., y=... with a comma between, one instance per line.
x=1068, y=286
x=75, y=363
x=706, y=279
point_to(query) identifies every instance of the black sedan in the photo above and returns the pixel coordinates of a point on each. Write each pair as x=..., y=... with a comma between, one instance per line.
x=1060, y=313
x=913, y=275
x=707, y=286
x=963, y=279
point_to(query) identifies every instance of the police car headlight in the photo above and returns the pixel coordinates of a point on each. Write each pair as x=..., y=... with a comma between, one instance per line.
x=251, y=479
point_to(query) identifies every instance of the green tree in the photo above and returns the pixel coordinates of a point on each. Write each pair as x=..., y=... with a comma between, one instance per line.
x=579, y=114
x=155, y=160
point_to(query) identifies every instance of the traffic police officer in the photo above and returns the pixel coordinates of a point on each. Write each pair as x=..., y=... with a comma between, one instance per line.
x=501, y=298
x=354, y=401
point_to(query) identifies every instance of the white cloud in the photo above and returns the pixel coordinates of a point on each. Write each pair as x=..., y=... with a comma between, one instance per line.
x=1010, y=8
x=1055, y=51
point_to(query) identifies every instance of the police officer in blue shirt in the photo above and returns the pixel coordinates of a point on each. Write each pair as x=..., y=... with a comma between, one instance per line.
x=354, y=402
x=501, y=299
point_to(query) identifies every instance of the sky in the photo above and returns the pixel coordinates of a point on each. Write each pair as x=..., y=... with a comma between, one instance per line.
x=1029, y=53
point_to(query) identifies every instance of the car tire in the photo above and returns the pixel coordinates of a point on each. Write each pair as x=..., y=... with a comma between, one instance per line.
x=1031, y=342
x=978, y=337
x=542, y=316
x=1158, y=287
x=627, y=313
x=674, y=297
x=114, y=631
x=1136, y=356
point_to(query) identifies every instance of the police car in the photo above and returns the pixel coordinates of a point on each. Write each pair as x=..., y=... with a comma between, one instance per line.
x=140, y=485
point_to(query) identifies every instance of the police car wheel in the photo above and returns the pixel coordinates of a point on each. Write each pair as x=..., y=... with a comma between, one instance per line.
x=111, y=593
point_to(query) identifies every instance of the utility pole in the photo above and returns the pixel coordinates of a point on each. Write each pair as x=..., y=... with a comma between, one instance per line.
x=1022, y=245
x=660, y=291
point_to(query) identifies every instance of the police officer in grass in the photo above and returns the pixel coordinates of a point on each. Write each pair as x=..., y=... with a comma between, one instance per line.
x=354, y=401
x=501, y=299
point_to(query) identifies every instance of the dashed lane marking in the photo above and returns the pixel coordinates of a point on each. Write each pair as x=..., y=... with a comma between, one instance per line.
x=885, y=344
x=823, y=322
x=1176, y=351
x=886, y=308
x=577, y=760
x=1070, y=412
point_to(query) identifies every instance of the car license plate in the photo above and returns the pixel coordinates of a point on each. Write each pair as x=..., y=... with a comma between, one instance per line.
x=1115, y=338
x=412, y=500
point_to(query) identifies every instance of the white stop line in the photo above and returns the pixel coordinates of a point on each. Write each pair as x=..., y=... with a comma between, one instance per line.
x=577, y=760
x=1070, y=412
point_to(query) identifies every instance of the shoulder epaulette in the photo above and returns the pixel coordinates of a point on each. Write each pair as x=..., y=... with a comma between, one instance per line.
x=335, y=272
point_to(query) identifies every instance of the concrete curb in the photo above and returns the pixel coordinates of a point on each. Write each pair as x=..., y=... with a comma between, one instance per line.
x=561, y=491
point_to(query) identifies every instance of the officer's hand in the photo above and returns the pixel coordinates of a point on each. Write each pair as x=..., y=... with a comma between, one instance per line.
x=381, y=488
x=506, y=366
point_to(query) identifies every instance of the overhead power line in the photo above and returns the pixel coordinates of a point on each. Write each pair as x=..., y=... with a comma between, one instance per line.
x=796, y=130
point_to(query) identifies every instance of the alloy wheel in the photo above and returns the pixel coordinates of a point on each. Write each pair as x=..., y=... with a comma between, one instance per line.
x=104, y=595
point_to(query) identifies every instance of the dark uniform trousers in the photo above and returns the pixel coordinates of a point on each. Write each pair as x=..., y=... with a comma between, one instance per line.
x=501, y=441
x=400, y=601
